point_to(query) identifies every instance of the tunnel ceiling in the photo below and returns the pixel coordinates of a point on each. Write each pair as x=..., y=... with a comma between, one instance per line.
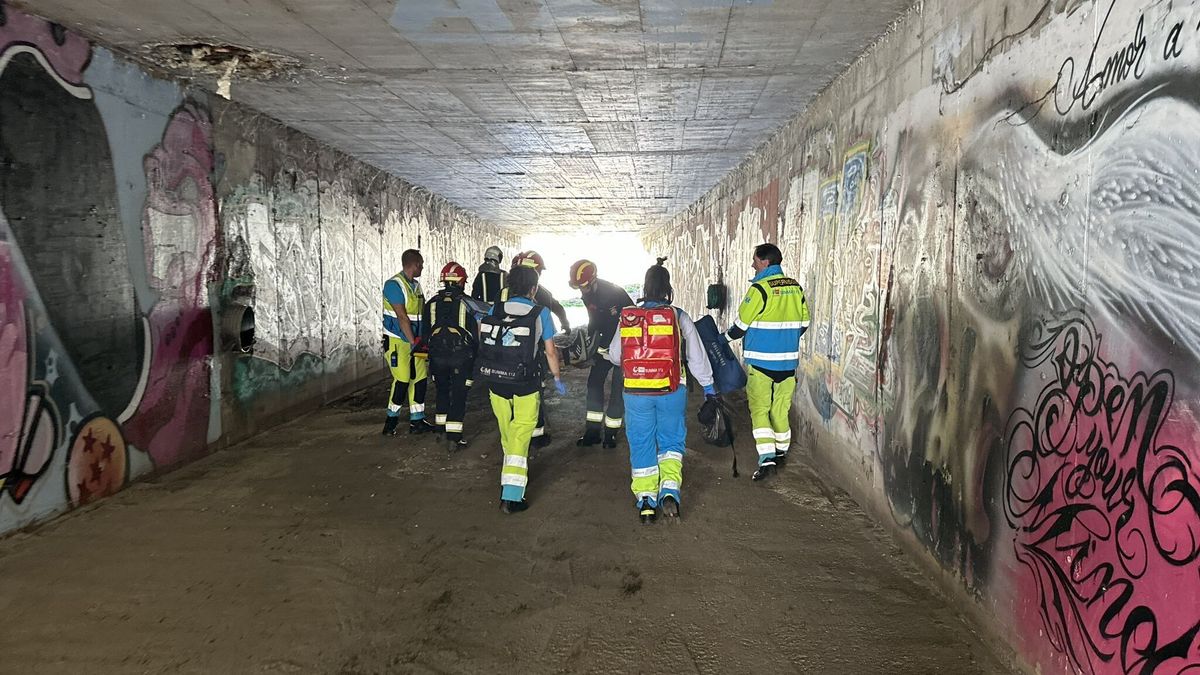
x=555, y=114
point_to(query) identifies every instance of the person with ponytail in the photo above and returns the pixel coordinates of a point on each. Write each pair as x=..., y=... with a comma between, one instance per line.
x=653, y=342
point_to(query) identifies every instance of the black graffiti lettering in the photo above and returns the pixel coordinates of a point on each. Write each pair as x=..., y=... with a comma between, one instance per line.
x=1102, y=511
x=1142, y=428
x=1126, y=62
x=1171, y=48
x=1079, y=482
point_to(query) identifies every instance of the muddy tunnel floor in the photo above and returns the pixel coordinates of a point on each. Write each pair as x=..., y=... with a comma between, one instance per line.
x=322, y=546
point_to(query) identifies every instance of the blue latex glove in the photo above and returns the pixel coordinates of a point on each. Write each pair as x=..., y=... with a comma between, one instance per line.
x=560, y=386
x=709, y=391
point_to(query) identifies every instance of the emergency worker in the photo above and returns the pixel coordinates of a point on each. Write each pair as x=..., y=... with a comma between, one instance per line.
x=604, y=301
x=771, y=319
x=652, y=341
x=531, y=259
x=403, y=304
x=490, y=280
x=544, y=297
x=452, y=344
x=514, y=342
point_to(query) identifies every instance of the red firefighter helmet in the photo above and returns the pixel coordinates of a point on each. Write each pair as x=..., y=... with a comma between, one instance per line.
x=583, y=273
x=530, y=259
x=453, y=273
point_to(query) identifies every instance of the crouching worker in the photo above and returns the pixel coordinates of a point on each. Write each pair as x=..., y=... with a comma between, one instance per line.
x=452, y=345
x=651, y=342
x=512, y=341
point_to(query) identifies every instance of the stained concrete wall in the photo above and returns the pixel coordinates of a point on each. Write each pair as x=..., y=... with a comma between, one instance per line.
x=134, y=216
x=995, y=217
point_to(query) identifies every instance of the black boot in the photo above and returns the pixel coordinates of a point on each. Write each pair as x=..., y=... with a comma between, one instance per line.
x=420, y=426
x=510, y=507
x=646, y=512
x=455, y=444
x=670, y=508
x=780, y=459
x=389, y=427
x=610, y=438
x=764, y=470
x=540, y=441
x=590, y=437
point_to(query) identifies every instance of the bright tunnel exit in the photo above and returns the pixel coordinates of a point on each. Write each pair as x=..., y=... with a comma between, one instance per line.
x=620, y=257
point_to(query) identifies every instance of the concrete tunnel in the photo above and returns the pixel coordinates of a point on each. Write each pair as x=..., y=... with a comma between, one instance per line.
x=991, y=205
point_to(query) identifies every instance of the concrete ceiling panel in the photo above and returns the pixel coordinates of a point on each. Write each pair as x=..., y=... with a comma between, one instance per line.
x=541, y=113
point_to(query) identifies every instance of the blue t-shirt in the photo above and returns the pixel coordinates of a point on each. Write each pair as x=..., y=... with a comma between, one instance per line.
x=393, y=293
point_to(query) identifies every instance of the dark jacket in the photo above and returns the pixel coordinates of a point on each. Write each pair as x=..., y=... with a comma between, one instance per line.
x=604, y=305
x=488, y=283
x=449, y=305
x=543, y=298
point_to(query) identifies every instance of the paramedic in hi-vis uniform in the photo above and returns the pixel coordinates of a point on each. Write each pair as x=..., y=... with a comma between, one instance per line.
x=771, y=319
x=403, y=303
x=652, y=341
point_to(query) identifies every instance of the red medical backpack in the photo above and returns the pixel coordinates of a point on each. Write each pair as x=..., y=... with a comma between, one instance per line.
x=650, y=353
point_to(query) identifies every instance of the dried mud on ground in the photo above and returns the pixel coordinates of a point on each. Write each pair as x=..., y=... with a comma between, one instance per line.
x=324, y=547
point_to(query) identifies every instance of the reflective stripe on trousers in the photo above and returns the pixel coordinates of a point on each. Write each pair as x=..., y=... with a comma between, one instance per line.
x=599, y=414
x=655, y=427
x=770, y=404
x=409, y=379
x=517, y=417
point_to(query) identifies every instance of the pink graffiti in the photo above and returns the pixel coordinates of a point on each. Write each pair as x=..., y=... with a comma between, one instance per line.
x=28, y=427
x=171, y=421
x=14, y=360
x=1104, y=498
x=65, y=55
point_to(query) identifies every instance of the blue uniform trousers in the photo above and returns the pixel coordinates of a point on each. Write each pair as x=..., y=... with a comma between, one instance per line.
x=657, y=431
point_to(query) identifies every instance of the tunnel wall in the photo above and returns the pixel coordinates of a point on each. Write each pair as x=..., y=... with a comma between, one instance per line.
x=995, y=215
x=136, y=217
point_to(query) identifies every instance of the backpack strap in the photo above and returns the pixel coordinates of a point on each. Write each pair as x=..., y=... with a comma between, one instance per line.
x=536, y=313
x=681, y=344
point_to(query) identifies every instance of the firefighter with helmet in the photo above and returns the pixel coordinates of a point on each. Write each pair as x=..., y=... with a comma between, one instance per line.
x=452, y=330
x=653, y=340
x=490, y=280
x=531, y=259
x=604, y=301
x=544, y=298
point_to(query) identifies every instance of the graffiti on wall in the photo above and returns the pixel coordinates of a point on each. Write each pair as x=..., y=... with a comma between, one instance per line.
x=117, y=251
x=309, y=241
x=1004, y=339
x=99, y=384
x=1103, y=493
